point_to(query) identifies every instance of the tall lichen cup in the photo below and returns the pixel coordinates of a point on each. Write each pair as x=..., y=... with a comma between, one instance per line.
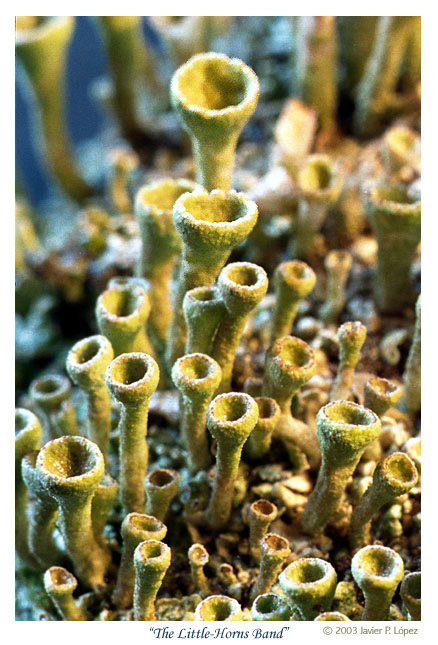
x=70, y=469
x=396, y=221
x=289, y=365
x=377, y=570
x=42, y=50
x=230, y=419
x=132, y=379
x=161, y=245
x=86, y=364
x=344, y=430
x=210, y=226
x=197, y=377
x=309, y=584
x=203, y=309
x=293, y=282
x=214, y=96
x=242, y=286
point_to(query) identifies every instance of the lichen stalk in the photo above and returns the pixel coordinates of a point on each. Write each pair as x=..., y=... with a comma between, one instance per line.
x=319, y=184
x=101, y=506
x=412, y=374
x=203, y=309
x=123, y=163
x=27, y=438
x=270, y=606
x=210, y=226
x=70, y=469
x=261, y=514
x=351, y=336
x=293, y=281
x=198, y=558
x=48, y=393
x=274, y=550
x=314, y=67
x=86, y=364
x=60, y=585
x=377, y=570
x=65, y=420
x=132, y=379
x=161, y=246
x=161, y=487
x=136, y=528
x=309, y=584
x=42, y=516
x=290, y=364
x=337, y=265
x=197, y=377
x=121, y=313
x=214, y=96
x=42, y=50
x=242, y=286
x=230, y=419
x=410, y=591
x=394, y=475
x=344, y=430
x=259, y=440
x=396, y=221
x=129, y=64
x=218, y=608
x=151, y=561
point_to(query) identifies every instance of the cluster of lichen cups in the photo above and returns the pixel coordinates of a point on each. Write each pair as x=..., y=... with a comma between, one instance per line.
x=194, y=308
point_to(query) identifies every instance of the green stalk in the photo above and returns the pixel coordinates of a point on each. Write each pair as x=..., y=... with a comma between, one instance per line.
x=230, y=419
x=338, y=265
x=151, y=561
x=86, y=364
x=242, y=286
x=274, y=550
x=132, y=379
x=293, y=281
x=197, y=377
x=412, y=373
x=42, y=50
x=396, y=221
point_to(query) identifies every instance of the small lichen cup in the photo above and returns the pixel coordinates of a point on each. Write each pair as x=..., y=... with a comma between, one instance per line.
x=60, y=585
x=151, y=562
x=309, y=584
x=259, y=440
x=270, y=606
x=218, y=608
x=48, y=393
x=274, y=549
x=377, y=570
x=161, y=487
x=203, y=309
x=260, y=515
x=214, y=96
